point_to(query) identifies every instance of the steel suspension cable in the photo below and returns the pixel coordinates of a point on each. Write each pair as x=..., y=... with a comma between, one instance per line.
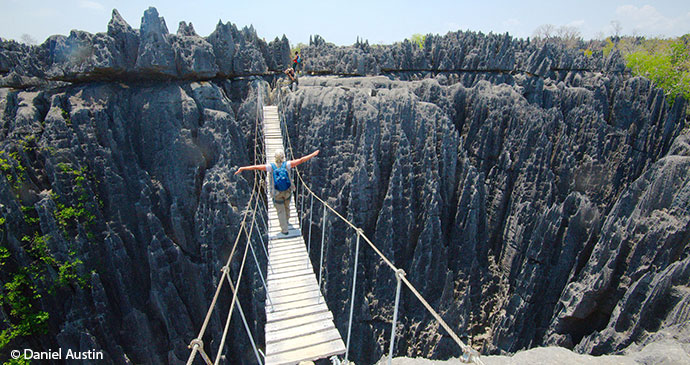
x=465, y=348
x=197, y=344
x=238, y=281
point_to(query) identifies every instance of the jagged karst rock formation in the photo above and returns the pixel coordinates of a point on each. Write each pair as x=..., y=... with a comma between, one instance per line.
x=536, y=196
x=156, y=162
x=123, y=53
x=544, y=207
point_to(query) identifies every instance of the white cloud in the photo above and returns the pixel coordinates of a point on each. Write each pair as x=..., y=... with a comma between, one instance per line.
x=93, y=5
x=647, y=20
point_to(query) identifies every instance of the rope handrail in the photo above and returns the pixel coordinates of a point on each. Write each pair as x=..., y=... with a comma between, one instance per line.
x=197, y=344
x=236, y=286
x=473, y=354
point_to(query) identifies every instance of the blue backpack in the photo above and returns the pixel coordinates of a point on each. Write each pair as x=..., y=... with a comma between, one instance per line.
x=281, y=179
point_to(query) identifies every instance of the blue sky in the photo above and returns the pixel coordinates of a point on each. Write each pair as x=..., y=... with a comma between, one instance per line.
x=341, y=22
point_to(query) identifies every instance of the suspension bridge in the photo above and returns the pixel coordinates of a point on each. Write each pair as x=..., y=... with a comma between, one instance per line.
x=299, y=325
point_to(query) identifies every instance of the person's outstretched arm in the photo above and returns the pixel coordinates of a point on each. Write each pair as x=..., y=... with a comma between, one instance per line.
x=304, y=159
x=253, y=167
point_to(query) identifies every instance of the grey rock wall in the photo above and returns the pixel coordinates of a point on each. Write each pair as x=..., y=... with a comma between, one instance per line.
x=157, y=161
x=468, y=52
x=529, y=213
x=534, y=195
x=139, y=54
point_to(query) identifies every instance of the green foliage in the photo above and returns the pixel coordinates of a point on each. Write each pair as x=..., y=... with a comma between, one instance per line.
x=26, y=282
x=36, y=272
x=4, y=255
x=608, y=47
x=5, y=165
x=665, y=62
x=20, y=361
x=20, y=295
x=30, y=215
x=28, y=143
x=68, y=216
x=419, y=39
x=67, y=273
x=38, y=249
x=65, y=116
x=11, y=166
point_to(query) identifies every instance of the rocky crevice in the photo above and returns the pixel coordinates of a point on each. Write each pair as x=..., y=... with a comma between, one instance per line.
x=543, y=205
x=534, y=188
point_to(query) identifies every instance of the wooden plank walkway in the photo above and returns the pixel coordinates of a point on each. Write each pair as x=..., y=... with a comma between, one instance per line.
x=299, y=325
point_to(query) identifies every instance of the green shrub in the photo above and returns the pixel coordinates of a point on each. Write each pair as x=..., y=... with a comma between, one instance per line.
x=664, y=61
x=419, y=39
x=665, y=69
x=67, y=273
x=19, y=296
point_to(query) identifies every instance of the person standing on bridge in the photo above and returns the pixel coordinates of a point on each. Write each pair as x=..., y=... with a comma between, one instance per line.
x=281, y=187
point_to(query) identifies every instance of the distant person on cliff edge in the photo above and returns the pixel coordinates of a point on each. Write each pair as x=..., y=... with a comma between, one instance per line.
x=297, y=62
x=293, y=77
x=281, y=187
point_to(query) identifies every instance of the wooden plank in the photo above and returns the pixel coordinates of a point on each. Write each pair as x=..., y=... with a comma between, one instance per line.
x=320, y=351
x=275, y=227
x=275, y=234
x=294, y=322
x=298, y=278
x=277, y=267
x=294, y=297
x=287, y=250
x=286, y=257
x=285, y=243
x=297, y=304
x=292, y=221
x=292, y=268
x=283, y=249
x=299, y=325
x=298, y=260
x=299, y=312
x=302, y=342
x=298, y=331
x=293, y=291
x=290, y=274
x=294, y=283
x=285, y=267
x=289, y=240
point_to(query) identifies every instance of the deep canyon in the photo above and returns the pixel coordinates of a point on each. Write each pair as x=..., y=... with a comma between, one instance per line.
x=534, y=194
